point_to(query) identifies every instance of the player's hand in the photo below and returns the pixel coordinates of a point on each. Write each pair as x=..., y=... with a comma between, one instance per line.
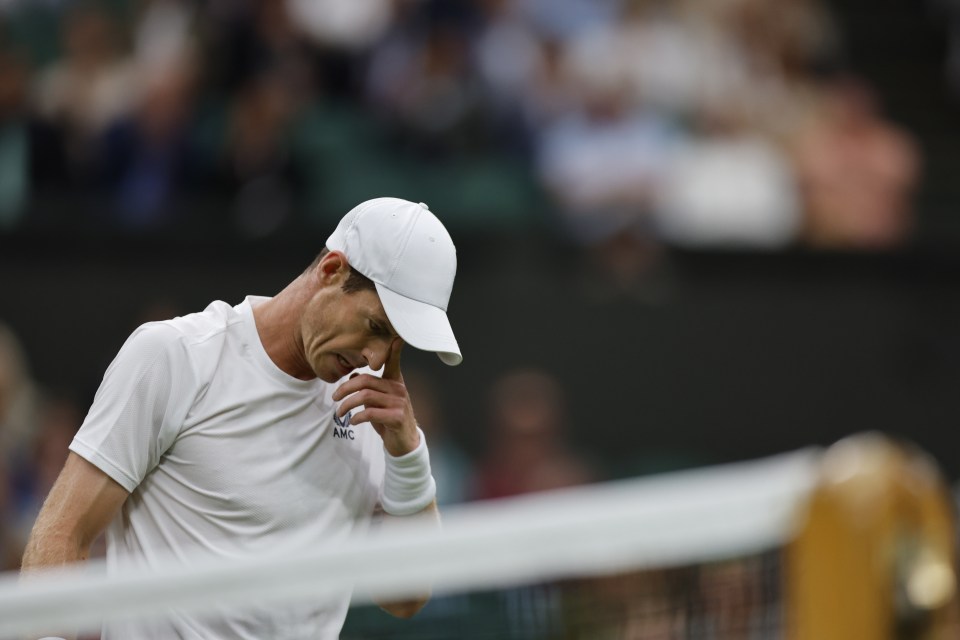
x=386, y=404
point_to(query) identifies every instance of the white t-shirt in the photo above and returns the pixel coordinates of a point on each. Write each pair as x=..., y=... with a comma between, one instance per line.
x=225, y=455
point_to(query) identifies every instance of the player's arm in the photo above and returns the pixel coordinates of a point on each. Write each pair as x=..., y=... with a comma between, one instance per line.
x=78, y=508
x=408, y=608
x=142, y=399
x=409, y=493
x=409, y=490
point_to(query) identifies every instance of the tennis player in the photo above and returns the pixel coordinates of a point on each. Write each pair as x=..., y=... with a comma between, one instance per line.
x=278, y=421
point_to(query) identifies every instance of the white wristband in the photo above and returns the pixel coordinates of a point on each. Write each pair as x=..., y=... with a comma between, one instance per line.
x=408, y=487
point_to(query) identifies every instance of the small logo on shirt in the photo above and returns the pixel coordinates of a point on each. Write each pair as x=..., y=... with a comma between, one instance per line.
x=343, y=430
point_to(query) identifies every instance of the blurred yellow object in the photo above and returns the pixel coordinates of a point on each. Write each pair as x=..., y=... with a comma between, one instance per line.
x=874, y=558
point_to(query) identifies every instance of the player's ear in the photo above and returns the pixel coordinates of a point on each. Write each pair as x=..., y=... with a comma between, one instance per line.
x=333, y=268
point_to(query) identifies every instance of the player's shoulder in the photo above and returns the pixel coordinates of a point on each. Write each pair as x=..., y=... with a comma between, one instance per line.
x=187, y=331
x=195, y=327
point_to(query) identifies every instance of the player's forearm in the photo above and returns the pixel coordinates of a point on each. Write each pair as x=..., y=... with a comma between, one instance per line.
x=405, y=609
x=81, y=503
x=409, y=494
x=410, y=607
x=56, y=538
x=49, y=547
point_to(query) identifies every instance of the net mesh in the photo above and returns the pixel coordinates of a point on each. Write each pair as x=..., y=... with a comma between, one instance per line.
x=734, y=599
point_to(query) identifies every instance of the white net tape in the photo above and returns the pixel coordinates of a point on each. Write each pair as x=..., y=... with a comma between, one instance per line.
x=662, y=521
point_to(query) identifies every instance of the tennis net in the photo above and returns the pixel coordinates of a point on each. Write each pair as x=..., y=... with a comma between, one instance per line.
x=852, y=542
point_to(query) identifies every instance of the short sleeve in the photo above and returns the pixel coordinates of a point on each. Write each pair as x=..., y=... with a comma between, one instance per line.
x=140, y=406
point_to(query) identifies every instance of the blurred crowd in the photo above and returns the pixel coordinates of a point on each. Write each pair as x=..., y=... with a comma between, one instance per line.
x=626, y=124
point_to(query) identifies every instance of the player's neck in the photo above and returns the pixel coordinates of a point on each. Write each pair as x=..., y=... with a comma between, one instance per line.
x=277, y=321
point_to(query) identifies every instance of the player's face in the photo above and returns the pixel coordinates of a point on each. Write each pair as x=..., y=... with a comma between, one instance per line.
x=345, y=331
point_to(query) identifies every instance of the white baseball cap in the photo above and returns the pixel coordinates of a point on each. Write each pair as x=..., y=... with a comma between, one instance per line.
x=410, y=257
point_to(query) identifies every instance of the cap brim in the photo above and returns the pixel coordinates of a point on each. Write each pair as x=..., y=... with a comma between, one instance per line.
x=421, y=325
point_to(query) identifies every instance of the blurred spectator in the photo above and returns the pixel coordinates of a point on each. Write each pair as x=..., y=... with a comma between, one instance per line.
x=452, y=468
x=147, y=154
x=527, y=452
x=672, y=56
x=857, y=172
x=789, y=36
x=59, y=421
x=509, y=56
x=423, y=81
x=264, y=74
x=528, y=449
x=729, y=186
x=19, y=401
x=163, y=35
x=19, y=406
x=777, y=52
x=83, y=93
x=350, y=24
x=257, y=167
x=605, y=160
x=247, y=38
x=565, y=18
x=547, y=95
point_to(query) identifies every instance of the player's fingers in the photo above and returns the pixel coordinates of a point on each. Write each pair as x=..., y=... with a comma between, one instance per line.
x=378, y=416
x=370, y=398
x=391, y=369
x=355, y=400
x=358, y=382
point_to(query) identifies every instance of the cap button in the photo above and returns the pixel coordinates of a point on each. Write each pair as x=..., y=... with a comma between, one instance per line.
x=424, y=205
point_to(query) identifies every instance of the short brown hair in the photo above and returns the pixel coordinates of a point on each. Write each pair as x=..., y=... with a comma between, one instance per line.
x=356, y=281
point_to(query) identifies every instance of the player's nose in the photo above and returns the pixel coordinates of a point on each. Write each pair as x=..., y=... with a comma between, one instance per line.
x=375, y=355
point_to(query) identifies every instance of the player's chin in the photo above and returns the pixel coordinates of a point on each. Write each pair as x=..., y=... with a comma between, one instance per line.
x=330, y=373
x=332, y=376
x=333, y=370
